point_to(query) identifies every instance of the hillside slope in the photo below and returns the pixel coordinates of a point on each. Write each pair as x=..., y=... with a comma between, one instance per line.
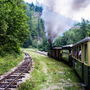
x=36, y=25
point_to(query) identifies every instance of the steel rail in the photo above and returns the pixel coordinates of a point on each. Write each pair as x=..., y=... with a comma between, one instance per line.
x=11, y=73
x=17, y=77
x=28, y=62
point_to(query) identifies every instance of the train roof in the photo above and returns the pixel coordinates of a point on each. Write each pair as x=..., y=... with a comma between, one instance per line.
x=67, y=46
x=57, y=47
x=82, y=41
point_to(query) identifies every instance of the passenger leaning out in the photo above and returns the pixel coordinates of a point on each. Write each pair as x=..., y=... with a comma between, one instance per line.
x=80, y=54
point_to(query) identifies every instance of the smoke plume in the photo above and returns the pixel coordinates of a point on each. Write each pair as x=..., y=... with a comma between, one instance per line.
x=79, y=4
x=58, y=15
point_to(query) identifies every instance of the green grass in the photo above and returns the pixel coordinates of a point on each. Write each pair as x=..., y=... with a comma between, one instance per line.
x=9, y=61
x=32, y=48
x=50, y=74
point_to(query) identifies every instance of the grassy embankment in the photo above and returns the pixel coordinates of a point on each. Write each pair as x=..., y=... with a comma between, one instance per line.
x=50, y=74
x=9, y=61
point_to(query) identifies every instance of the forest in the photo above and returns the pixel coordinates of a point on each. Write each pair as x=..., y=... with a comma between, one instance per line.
x=21, y=26
x=36, y=38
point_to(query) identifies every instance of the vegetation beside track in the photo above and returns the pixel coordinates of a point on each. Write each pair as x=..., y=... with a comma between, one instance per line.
x=50, y=74
x=10, y=61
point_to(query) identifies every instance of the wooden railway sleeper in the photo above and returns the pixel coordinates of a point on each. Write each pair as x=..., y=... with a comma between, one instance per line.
x=16, y=78
x=10, y=74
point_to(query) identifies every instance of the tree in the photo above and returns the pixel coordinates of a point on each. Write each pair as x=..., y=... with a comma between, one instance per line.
x=28, y=42
x=13, y=25
x=83, y=29
x=44, y=46
x=36, y=25
x=58, y=42
x=88, y=30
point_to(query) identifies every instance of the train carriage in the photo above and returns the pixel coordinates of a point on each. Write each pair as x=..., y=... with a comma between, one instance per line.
x=53, y=52
x=67, y=53
x=81, y=59
x=57, y=51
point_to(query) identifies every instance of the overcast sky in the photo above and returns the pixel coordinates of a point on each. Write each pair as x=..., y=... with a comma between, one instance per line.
x=63, y=7
x=61, y=15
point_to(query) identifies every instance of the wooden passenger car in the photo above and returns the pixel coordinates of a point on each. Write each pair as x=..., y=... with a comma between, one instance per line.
x=81, y=63
x=67, y=53
x=57, y=52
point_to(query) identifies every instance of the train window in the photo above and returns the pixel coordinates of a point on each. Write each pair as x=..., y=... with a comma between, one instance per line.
x=85, y=48
x=61, y=51
x=75, y=54
x=56, y=53
x=79, y=53
x=73, y=51
x=65, y=54
x=66, y=51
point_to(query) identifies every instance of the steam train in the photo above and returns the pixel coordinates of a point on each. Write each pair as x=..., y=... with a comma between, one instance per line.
x=71, y=54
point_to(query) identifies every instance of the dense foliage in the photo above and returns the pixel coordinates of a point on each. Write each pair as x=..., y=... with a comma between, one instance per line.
x=36, y=24
x=13, y=25
x=72, y=36
x=44, y=46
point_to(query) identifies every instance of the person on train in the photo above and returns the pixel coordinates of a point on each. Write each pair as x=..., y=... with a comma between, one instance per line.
x=80, y=54
x=70, y=56
x=75, y=53
x=60, y=53
x=70, y=53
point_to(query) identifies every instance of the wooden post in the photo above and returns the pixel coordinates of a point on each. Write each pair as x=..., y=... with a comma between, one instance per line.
x=82, y=53
x=88, y=52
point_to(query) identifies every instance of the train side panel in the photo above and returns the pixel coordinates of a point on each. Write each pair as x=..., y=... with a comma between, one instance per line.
x=87, y=75
x=65, y=55
x=55, y=52
x=87, y=63
x=78, y=66
x=81, y=59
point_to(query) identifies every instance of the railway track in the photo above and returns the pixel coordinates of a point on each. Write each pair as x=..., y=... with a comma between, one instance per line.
x=39, y=52
x=10, y=81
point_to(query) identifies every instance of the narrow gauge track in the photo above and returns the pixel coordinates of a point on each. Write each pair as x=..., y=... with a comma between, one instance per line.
x=10, y=81
x=39, y=52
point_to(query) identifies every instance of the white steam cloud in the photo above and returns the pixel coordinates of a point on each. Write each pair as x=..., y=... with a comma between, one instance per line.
x=57, y=15
x=55, y=23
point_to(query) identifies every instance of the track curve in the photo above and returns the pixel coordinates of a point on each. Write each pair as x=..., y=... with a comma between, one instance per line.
x=10, y=80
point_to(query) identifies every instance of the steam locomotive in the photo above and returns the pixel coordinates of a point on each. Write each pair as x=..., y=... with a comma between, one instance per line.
x=77, y=55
